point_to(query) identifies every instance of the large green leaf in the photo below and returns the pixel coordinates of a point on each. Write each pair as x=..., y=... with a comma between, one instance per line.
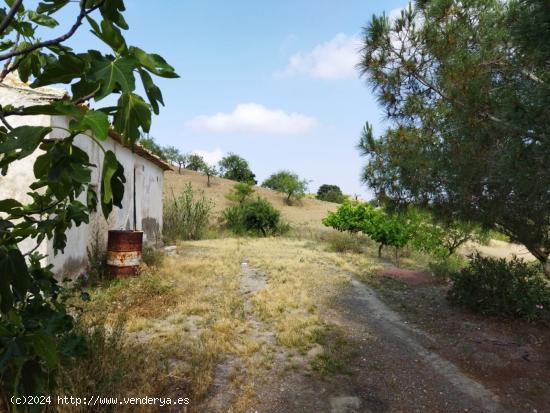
x=133, y=113
x=110, y=34
x=83, y=88
x=153, y=92
x=112, y=74
x=14, y=272
x=153, y=63
x=69, y=66
x=112, y=188
x=42, y=19
x=111, y=10
x=51, y=6
x=20, y=143
x=45, y=348
x=7, y=205
x=95, y=121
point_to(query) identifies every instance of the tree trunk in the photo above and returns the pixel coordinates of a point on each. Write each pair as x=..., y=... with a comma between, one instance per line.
x=208, y=181
x=179, y=168
x=380, y=250
x=546, y=267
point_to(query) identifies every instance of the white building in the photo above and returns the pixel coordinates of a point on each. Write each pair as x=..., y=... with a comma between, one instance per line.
x=144, y=172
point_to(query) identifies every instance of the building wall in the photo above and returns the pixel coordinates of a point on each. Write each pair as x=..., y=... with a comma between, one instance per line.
x=148, y=188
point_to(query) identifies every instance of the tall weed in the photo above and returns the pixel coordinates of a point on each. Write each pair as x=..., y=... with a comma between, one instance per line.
x=186, y=216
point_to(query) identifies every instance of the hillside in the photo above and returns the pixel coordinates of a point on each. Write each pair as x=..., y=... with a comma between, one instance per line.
x=308, y=213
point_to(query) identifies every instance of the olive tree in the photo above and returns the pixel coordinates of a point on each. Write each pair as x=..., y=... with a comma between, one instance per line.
x=288, y=183
x=195, y=162
x=236, y=168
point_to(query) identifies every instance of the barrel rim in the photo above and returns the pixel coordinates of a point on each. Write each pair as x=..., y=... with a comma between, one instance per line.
x=124, y=231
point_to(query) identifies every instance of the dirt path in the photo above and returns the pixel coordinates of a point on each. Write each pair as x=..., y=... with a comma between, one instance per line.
x=413, y=377
x=390, y=369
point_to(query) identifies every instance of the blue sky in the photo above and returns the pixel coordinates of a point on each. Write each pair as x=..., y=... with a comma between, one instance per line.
x=271, y=81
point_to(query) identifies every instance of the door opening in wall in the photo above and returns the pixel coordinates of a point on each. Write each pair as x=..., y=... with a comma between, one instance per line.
x=134, y=202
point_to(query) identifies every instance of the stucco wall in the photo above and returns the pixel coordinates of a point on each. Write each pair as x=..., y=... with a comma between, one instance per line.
x=149, y=182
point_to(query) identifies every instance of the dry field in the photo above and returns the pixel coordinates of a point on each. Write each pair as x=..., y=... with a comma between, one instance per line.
x=286, y=325
x=307, y=214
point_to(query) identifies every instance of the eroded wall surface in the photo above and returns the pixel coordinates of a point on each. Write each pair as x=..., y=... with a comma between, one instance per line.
x=145, y=214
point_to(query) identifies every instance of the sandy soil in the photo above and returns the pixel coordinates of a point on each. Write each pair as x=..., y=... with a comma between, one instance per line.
x=499, y=249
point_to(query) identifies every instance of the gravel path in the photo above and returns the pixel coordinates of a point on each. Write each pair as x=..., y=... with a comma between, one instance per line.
x=399, y=373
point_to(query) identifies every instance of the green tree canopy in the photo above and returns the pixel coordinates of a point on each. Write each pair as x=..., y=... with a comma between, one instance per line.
x=236, y=168
x=330, y=193
x=209, y=171
x=288, y=183
x=387, y=229
x=195, y=162
x=171, y=153
x=466, y=85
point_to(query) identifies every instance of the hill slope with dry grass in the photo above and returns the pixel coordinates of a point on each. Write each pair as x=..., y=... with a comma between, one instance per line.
x=307, y=212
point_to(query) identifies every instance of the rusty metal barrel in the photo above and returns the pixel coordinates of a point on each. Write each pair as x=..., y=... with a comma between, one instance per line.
x=124, y=253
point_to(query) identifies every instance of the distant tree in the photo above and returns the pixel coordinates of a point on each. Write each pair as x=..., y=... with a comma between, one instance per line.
x=466, y=86
x=181, y=160
x=171, y=153
x=149, y=143
x=240, y=193
x=195, y=162
x=288, y=183
x=236, y=168
x=209, y=171
x=330, y=193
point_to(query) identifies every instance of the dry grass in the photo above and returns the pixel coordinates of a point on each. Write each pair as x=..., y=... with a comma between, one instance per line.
x=189, y=319
x=307, y=213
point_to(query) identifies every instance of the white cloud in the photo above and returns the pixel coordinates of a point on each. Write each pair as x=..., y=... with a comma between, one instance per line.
x=210, y=157
x=253, y=118
x=335, y=59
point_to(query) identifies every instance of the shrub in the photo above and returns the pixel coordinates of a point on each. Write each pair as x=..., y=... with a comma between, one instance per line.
x=240, y=193
x=345, y=242
x=233, y=219
x=444, y=268
x=151, y=256
x=330, y=193
x=96, y=269
x=504, y=288
x=108, y=366
x=186, y=216
x=257, y=216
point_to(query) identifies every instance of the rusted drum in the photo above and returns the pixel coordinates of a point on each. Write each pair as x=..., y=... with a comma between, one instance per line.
x=124, y=253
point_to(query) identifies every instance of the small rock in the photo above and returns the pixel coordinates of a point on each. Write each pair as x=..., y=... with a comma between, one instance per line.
x=170, y=250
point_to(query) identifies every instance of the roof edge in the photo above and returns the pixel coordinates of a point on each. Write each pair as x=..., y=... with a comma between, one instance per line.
x=141, y=151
